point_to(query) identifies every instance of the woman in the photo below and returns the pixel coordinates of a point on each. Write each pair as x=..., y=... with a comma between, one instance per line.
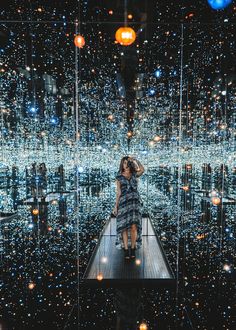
x=128, y=206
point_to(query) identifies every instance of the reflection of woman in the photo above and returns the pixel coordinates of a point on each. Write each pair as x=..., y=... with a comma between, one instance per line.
x=128, y=206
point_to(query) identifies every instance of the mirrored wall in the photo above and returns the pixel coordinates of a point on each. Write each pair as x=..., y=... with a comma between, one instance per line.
x=68, y=116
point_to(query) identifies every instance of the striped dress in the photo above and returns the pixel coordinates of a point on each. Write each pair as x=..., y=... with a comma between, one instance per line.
x=129, y=210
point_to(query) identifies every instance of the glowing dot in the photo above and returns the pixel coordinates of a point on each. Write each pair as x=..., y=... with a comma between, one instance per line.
x=157, y=138
x=157, y=73
x=143, y=326
x=104, y=260
x=226, y=267
x=31, y=285
x=215, y=200
x=79, y=41
x=99, y=277
x=80, y=169
x=35, y=211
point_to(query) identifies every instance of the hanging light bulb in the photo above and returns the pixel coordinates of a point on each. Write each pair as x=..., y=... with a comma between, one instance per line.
x=215, y=200
x=79, y=41
x=125, y=36
x=219, y=4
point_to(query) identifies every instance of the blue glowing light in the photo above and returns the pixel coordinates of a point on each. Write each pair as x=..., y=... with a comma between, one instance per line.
x=80, y=169
x=151, y=92
x=54, y=120
x=157, y=73
x=219, y=4
x=33, y=110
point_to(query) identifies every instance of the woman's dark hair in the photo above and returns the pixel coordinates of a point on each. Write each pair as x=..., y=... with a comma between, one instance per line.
x=132, y=169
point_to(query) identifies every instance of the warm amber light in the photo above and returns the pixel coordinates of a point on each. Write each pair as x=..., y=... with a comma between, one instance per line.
x=200, y=236
x=110, y=12
x=79, y=41
x=99, y=277
x=143, y=326
x=130, y=16
x=125, y=36
x=215, y=200
x=157, y=138
x=31, y=285
x=185, y=188
x=35, y=211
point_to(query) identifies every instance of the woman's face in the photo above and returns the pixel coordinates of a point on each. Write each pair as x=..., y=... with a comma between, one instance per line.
x=125, y=164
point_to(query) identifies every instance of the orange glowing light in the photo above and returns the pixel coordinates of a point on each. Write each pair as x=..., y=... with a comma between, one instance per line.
x=216, y=200
x=143, y=326
x=99, y=277
x=125, y=36
x=79, y=41
x=200, y=236
x=110, y=12
x=35, y=211
x=31, y=286
x=130, y=16
x=185, y=188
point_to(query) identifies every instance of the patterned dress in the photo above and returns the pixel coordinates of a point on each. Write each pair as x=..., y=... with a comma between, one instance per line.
x=129, y=210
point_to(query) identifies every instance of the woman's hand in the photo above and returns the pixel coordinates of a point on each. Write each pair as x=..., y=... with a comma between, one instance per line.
x=134, y=161
x=115, y=211
x=138, y=167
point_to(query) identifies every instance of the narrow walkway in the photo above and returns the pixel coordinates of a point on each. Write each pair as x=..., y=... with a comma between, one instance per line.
x=107, y=266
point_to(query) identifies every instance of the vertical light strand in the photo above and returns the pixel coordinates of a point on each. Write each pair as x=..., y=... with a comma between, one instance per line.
x=179, y=167
x=125, y=12
x=76, y=165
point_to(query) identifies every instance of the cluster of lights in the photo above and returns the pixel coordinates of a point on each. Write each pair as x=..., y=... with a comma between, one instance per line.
x=101, y=142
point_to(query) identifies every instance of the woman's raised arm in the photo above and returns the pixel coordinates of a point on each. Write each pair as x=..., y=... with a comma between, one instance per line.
x=138, y=167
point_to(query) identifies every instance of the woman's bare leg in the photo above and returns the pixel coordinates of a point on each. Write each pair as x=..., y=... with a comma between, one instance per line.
x=125, y=238
x=134, y=233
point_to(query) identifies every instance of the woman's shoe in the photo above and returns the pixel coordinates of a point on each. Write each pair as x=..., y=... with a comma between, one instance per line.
x=126, y=253
x=132, y=253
